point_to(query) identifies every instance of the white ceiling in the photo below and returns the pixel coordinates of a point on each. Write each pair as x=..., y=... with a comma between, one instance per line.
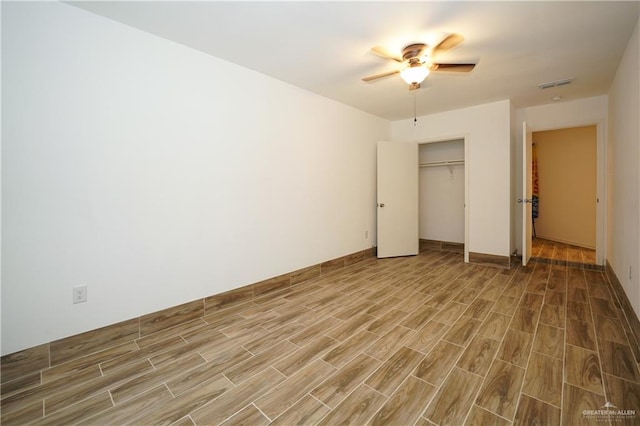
x=324, y=47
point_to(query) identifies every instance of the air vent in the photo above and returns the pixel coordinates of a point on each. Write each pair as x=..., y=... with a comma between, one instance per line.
x=556, y=83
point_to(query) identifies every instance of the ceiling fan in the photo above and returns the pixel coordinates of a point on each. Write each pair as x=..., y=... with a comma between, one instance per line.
x=418, y=60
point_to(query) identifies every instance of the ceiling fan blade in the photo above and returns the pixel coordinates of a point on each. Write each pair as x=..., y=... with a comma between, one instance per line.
x=449, y=42
x=377, y=76
x=452, y=67
x=381, y=51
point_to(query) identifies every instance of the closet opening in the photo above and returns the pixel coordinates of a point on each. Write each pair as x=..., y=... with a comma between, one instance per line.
x=442, y=194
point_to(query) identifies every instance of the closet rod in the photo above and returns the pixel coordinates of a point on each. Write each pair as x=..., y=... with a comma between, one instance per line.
x=441, y=163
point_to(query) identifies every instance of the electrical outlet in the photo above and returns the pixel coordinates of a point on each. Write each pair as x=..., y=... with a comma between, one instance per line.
x=79, y=294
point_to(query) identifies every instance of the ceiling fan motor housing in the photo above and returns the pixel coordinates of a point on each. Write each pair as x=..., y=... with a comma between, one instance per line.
x=413, y=52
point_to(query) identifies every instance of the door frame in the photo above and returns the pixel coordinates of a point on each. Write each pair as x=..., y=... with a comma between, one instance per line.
x=465, y=138
x=527, y=195
x=601, y=187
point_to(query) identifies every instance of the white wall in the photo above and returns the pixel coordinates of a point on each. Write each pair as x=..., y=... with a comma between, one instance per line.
x=580, y=112
x=486, y=129
x=156, y=175
x=515, y=210
x=1, y=185
x=623, y=177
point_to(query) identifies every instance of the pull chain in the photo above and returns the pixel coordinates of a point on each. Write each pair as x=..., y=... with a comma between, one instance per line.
x=415, y=114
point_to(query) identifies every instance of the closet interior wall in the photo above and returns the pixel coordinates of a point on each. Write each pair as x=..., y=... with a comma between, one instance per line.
x=442, y=191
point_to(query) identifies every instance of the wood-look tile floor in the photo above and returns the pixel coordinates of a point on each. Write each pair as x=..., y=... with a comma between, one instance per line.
x=553, y=250
x=406, y=341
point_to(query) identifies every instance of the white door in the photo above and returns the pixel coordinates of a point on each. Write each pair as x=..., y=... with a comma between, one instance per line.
x=397, y=199
x=527, y=192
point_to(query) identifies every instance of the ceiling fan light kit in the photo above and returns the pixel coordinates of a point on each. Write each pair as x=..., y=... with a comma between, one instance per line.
x=414, y=73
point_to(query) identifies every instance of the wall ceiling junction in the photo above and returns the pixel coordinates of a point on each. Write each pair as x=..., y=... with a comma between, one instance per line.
x=324, y=47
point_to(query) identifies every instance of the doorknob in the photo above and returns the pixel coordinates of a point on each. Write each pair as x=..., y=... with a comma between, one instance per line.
x=381, y=204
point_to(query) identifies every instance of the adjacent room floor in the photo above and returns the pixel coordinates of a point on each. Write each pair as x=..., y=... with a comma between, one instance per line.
x=416, y=340
x=553, y=250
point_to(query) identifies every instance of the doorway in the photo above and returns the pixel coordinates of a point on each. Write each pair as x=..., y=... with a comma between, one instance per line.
x=398, y=194
x=442, y=186
x=566, y=224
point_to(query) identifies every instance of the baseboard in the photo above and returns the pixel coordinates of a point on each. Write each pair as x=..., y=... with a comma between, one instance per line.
x=577, y=265
x=441, y=246
x=630, y=319
x=490, y=260
x=121, y=335
x=560, y=240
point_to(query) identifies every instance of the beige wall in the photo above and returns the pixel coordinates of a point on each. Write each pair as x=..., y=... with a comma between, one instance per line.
x=567, y=179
